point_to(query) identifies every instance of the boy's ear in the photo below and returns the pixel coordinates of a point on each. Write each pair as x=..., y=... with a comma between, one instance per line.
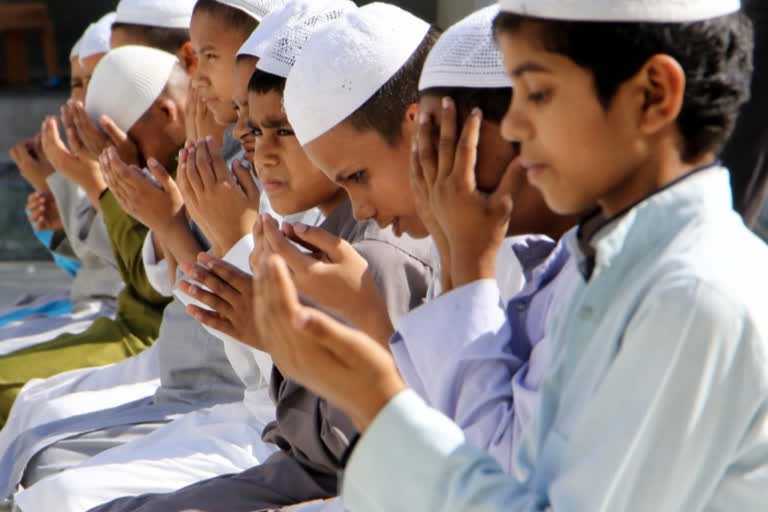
x=187, y=58
x=408, y=126
x=171, y=111
x=662, y=80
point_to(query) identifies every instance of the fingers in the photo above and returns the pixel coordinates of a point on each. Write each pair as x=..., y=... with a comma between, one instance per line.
x=447, y=144
x=51, y=139
x=279, y=244
x=210, y=299
x=117, y=136
x=212, y=319
x=466, y=149
x=73, y=137
x=329, y=244
x=204, y=165
x=218, y=164
x=227, y=272
x=427, y=154
x=247, y=185
x=193, y=179
x=161, y=175
x=93, y=139
x=511, y=181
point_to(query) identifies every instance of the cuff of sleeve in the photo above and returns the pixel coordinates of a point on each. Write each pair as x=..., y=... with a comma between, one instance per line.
x=157, y=272
x=399, y=456
x=240, y=252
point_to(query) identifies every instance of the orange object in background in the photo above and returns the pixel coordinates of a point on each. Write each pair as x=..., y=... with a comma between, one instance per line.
x=15, y=20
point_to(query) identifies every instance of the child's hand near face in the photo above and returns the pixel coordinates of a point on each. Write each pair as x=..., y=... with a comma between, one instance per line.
x=475, y=223
x=342, y=364
x=83, y=171
x=198, y=118
x=156, y=205
x=94, y=139
x=224, y=208
x=32, y=163
x=227, y=291
x=334, y=276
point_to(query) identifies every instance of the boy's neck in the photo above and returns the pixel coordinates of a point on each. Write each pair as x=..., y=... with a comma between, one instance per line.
x=660, y=170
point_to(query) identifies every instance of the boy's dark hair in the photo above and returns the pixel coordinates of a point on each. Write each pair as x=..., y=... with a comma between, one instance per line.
x=162, y=38
x=262, y=82
x=715, y=54
x=233, y=18
x=494, y=102
x=384, y=111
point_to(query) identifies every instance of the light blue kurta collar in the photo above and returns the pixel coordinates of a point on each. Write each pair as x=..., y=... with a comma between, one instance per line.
x=648, y=223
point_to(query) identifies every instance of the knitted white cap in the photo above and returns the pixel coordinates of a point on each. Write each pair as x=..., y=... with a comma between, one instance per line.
x=466, y=55
x=279, y=51
x=96, y=37
x=345, y=63
x=258, y=9
x=661, y=11
x=156, y=13
x=75, y=51
x=269, y=26
x=126, y=83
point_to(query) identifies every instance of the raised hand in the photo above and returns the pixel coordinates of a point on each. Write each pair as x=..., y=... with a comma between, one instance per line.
x=224, y=205
x=227, y=291
x=474, y=222
x=97, y=138
x=32, y=162
x=340, y=363
x=334, y=275
x=86, y=172
x=43, y=211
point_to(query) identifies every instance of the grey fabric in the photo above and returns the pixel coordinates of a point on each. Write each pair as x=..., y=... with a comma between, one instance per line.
x=89, y=241
x=311, y=434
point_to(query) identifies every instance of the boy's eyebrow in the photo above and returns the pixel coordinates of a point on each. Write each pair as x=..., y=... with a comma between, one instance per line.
x=207, y=48
x=274, y=122
x=528, y=67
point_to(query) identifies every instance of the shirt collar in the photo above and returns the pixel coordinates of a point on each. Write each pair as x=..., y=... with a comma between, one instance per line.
x=599, y=240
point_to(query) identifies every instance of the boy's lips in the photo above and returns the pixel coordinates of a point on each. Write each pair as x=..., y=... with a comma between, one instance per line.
x=271, y=185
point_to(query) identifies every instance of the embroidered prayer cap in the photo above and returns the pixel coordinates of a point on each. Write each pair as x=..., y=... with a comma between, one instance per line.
x=126, y=83
x=345, y=63
x=466, y=55
x=156, y=13
x=96, y=37
x=278, y=53
x=638, y=11
x=258, y=9
x=75, y=51
x=269, y=26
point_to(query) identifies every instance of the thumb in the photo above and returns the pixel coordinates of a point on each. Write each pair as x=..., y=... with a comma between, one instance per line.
x=160, y=174
x=510, y=184
x=115, y=134
x=327, y=243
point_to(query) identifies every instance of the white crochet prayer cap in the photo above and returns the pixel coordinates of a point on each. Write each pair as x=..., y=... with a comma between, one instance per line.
x=75, y=51
x=126, y=83
x=466, y=55
x=345, y=63
x=659, y=11
x=258, y=9
x=269, y=26
x=278, y=53
x=156, y=13
x=96, y=37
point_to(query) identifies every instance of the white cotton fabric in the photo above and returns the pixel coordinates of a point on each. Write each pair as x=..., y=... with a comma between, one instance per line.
x=127, y=82
x=156, y=13
x=75, y=51
x=661, y=11
x=96, y=38
x=269, y=26
x=278, y=53
x=345, y=63
x=258, y=9
x=466, y=55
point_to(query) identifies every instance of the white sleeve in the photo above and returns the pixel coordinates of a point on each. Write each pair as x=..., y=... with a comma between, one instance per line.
x=157, y=271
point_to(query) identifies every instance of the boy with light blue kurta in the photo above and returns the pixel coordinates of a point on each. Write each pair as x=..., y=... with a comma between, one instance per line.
x=655, y=394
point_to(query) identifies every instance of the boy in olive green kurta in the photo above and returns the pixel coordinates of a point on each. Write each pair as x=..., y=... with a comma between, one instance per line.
x=134, y=328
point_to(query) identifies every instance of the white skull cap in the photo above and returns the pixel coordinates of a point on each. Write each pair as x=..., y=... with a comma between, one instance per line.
x=345, y=63
x=269, y=26
x=156, y=13
x=126, y=83
x=278, y=53
x=75, y=51
x=659, y=11
x=96, y=38
x=466, y=55
x=258, y=9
